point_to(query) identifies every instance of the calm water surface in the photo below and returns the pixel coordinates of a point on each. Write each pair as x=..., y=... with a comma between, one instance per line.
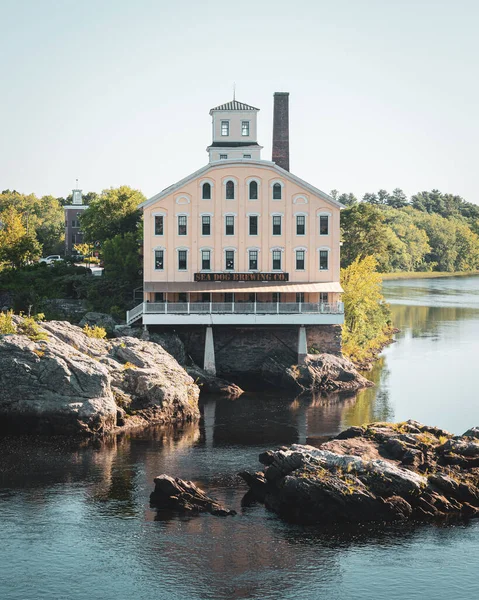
x=76, y=524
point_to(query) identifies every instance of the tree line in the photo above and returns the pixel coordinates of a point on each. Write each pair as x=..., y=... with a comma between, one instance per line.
x=431, y=231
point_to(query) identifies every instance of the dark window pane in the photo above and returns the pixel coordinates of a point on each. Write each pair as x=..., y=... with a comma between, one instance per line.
x=229, y=297
x=206, y=191
x=159, y=225
x=300, y=260
x=253, y=225
x=230, y=225
x=277, y=225
x=182, y=297
x=276, y=260
x=182, y=265
x=253, y=190
x=159, y=260
x=276, y=296
x=205, y=225
x=205, y=297
x=300, y=225
x=323, y=297
x=324, y=225
x=323, y=260
x=277, y=191
x=205, y=260
x=230, y=190
x=300, y=297
x=253, y=260
x=182, y=225
x=229, y=260
x=159, y=297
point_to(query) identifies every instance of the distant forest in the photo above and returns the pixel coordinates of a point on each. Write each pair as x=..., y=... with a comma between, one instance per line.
x=431, y=231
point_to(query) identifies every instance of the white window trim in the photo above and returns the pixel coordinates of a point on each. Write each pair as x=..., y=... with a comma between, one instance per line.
x=181, y=248
x=235, y=182
x=187, y=215
x=212, y=184
x=248, y=215
x=221, y=127
x=253, y=249
x=300, y=214
x=320, y=214
x=234, y=215
x=154, y=258
x=258, y=181
x=210, y=215
x=249, y=128
x=277, y=214
x=206, y=249
x=298, y=197
x=272, y=184
x=276, y=249
x=229, y=249
x=180, y=197
x=329, y=258
x=159, y=214
x=300, y=249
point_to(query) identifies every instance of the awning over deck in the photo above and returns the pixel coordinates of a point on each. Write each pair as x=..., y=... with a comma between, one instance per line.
x=241, y=287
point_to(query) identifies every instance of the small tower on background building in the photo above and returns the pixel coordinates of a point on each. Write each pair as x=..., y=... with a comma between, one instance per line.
x=234, y=132
x=73, y=234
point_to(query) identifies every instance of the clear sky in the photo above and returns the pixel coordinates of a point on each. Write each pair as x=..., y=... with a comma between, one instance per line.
x=383, y=94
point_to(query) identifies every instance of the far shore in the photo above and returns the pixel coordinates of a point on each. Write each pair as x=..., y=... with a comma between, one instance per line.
x=426, y=274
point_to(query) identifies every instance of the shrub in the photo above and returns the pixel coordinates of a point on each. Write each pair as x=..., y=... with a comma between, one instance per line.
x=94, y=332
x=30, y=328
x=6, y=323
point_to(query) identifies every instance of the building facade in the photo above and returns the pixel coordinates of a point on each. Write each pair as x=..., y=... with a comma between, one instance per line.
x=242, y=241
x=73, y=211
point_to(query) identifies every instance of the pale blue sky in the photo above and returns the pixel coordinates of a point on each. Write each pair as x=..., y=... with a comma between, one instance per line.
x=383, y=94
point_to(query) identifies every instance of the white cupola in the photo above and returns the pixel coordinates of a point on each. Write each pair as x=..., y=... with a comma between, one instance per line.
x=234, y=132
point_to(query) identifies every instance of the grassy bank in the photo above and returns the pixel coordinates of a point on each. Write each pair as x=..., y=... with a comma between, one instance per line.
x=426, y=275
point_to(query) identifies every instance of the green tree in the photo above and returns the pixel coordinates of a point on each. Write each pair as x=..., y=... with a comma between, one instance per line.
x=17, y=246
x=367, y=318
x=113, y=212
x=347, y=199
x=121, y=255
x=364, y=233
x=397, y=199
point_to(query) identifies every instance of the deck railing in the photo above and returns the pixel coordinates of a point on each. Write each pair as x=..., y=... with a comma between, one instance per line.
x=252, y=308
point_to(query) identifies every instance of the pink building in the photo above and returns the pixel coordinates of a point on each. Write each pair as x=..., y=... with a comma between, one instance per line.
x=242, y=241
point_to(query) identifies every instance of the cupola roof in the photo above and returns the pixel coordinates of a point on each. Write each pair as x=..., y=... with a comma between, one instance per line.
x=234, y=105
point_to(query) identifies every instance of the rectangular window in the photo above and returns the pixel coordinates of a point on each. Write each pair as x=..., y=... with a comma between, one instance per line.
x=205, y=225
x=229, y=225
x=323, y=225
x=205, y=260
x=244, y=127
x=229, y=260
x=159, y=297
x=300, y=260
x=323, y=260
x=182, y=225
x=223, y=156
x=276, y=225
x=182, y=297
x=229, y=297
x=252, y=297
x=205, y=297
x=182, y=264
x=276, y=260
x=299, y=297
x=225, y=127
x=323, y=297
x=276, y=296
x=253, y=260
x=159, y=260
x=246, y=155
x=253, y=225
x=159, y=225
x=300, y=225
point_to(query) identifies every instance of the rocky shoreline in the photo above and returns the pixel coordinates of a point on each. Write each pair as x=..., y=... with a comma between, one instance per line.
x=378, y=472
x=71, y=384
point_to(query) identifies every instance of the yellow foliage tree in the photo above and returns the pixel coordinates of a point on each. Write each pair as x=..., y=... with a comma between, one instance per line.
x=367, y=325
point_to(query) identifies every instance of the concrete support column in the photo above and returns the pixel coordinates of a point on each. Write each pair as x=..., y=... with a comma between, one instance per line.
x=209, y=364
x=302, y=345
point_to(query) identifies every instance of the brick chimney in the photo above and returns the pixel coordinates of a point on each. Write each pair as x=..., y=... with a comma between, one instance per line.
x=281, y=130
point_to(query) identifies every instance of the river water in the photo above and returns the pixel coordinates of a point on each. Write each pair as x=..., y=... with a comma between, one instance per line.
x=75, y=520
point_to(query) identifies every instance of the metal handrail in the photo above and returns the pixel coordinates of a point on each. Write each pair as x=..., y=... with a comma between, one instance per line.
x=255, y=308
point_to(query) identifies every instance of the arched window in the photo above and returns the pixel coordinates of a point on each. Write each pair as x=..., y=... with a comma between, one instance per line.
x=206, y=191
x=230, y=190
x=253, y=190
x=277, y=191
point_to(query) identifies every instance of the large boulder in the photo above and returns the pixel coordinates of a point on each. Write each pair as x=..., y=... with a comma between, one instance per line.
x=379, y=472
x=71, y=383
x=319, y=372
x=100, y=320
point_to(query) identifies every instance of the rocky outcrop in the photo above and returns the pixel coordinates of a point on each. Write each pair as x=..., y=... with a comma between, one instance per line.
x=100, y=320
x=184, y=496
x=210, y=384
x=73, y=384
x=319, y=372
x=379, y=472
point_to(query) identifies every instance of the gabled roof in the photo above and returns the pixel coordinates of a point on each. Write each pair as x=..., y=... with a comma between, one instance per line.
x=234, y=105
x=228, y=163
